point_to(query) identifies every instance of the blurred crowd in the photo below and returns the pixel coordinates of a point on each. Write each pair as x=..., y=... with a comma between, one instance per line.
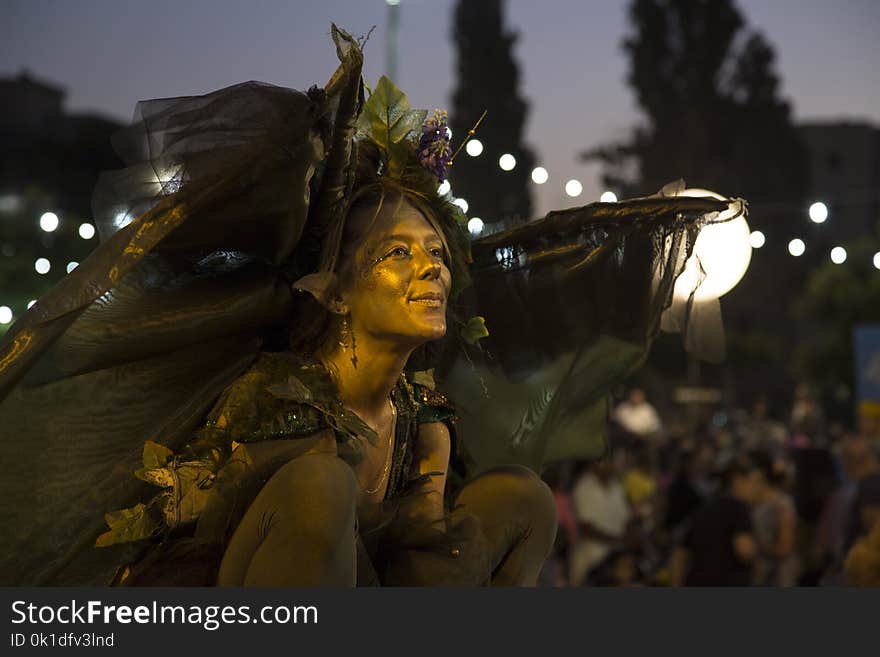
x=741, y=500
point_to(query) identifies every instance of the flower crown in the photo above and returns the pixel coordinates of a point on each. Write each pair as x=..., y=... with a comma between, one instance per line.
x=401, y=132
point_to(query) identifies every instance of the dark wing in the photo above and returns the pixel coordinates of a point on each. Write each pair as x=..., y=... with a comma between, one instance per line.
x=201, y=233
x=572, y=303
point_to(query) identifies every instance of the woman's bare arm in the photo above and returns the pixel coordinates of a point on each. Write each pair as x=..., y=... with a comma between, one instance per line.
x=431, y=455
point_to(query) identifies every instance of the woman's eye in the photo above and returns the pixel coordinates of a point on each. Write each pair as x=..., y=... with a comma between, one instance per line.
x=437, y=252
x=399, y=251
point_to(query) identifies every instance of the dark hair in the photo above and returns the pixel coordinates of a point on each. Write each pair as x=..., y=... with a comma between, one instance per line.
x=764, y=463
x=739, y=466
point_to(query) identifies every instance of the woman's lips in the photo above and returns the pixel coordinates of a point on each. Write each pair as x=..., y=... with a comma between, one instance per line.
x=428, y=299
x=427, y=302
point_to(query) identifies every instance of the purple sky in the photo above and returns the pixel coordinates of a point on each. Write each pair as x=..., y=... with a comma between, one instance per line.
x=111, y=53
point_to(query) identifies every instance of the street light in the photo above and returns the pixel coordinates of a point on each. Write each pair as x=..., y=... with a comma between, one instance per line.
x=838, y=255
x=540, y=175
x=877, y=260
x=608, y=197
x=573, y=188
x=5, y=314
x=721, y=254
x=42, y=266
x=474, y=147
x=757, y=239
x=444, y=188
x=460, y=202
x=507, y=162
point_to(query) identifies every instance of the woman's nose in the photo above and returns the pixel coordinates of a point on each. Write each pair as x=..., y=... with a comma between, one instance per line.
x=428, y=266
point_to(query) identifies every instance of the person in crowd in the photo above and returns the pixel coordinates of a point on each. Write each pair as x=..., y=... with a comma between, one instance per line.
x=719, y=549
x=618, y=569
x=604, y=516
x=637, y=416
x=862, y=564
x=684, y=495
x=775, y=524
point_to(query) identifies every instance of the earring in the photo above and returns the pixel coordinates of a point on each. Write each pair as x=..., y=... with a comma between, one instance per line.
x=344, y=333
x=354, y=358
x=346, y=336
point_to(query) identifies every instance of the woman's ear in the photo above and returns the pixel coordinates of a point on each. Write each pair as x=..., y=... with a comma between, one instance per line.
x=323, y=286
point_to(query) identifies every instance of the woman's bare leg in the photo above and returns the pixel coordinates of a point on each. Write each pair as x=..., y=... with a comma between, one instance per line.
x=300, y=529
x=517, y=513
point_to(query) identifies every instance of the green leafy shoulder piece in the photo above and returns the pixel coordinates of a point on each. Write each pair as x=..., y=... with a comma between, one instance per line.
x=280, y=397
x=432, y=406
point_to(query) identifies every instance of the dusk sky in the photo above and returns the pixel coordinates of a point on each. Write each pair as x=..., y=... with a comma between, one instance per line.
x=109, y=54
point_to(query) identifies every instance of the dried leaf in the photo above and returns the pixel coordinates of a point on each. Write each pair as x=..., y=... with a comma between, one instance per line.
x=293, y=389
x=157, y=476
x=127, y=525
x=155, y=455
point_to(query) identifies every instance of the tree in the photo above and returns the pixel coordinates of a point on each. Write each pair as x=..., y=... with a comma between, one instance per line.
x=713, y=115
x=835, y=299
x=488, y=79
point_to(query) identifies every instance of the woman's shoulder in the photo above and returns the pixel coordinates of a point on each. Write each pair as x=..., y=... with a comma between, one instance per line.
x=432, y=405
x=282, y=394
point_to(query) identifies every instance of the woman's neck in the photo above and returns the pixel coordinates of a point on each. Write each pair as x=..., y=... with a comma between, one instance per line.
x=365, y=385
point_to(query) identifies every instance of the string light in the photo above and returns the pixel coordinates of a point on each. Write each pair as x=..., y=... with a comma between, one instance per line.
x=818, y=212
x=474, y=147
x=86, y=231
x=475, y=226
x=540, y=175
x=49, y=221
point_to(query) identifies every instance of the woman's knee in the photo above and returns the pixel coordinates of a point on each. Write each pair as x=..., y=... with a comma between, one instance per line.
x=518, y=488
x=317, y=492
x=300, y=528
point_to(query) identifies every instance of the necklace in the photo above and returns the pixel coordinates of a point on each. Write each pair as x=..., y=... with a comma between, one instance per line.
x=390, y=451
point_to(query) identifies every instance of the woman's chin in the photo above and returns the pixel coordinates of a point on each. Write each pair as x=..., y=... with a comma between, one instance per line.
x=432, y=331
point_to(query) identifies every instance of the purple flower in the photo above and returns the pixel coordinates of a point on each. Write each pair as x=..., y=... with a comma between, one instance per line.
x=434, y=150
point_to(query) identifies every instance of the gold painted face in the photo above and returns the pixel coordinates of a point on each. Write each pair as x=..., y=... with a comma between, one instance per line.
x=401, y=283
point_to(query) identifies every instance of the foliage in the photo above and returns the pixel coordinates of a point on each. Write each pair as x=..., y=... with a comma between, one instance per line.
x=710, y=97
x=835, y=299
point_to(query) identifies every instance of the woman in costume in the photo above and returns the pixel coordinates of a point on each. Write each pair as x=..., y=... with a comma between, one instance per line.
x=314, y=443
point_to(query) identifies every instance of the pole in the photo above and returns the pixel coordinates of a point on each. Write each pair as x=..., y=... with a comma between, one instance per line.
x=391, y=44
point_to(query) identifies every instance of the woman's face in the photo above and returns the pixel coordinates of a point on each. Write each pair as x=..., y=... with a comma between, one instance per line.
x=400, y=281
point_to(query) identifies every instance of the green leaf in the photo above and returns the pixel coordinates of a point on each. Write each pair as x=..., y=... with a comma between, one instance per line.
x=474, y=329
x=155, y=455
x=387, y=118
x=398, y=156
x=128, y=525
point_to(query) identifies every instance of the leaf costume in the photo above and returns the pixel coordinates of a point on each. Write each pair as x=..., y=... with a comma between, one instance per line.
x=147, y=356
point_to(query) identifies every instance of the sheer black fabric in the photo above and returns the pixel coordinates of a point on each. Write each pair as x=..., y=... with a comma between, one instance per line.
x=572, y=303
